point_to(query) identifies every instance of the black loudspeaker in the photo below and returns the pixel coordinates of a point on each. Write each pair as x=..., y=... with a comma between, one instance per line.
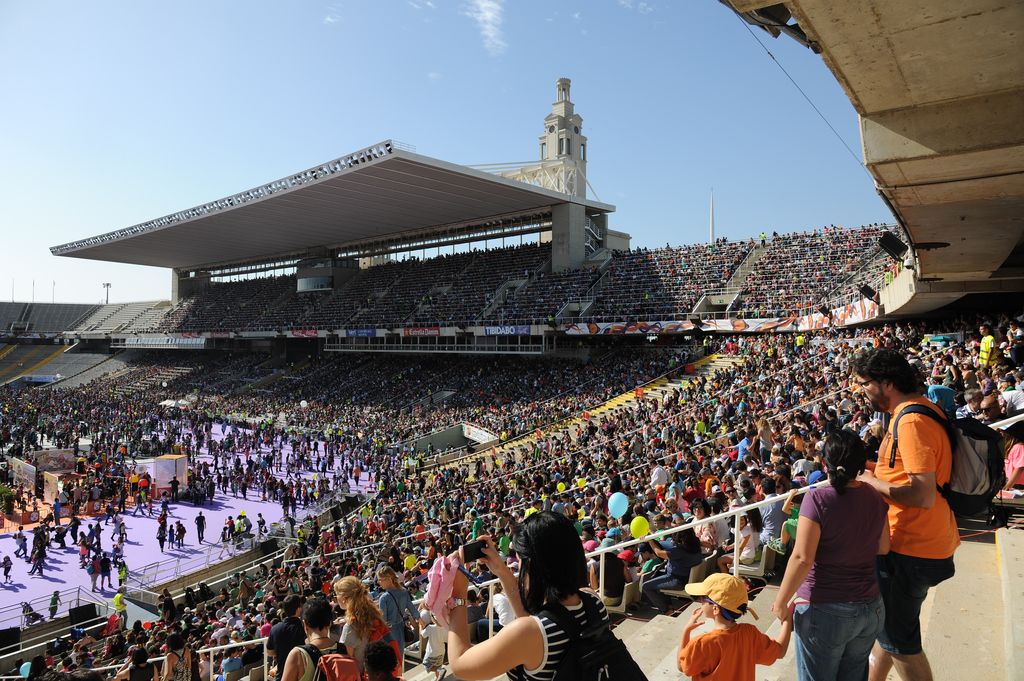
x=10, y=637
x=82, y=613
x=825, y=312
x=268, y=547
x=336, y=512
x=893, y=246
x=868, y=292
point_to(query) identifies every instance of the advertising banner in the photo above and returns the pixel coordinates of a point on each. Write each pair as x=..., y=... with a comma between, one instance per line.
x=854, y=313
x=477, y=434
x=164, y=342
x=422, y=331
x=302, y=333
x=24, y=473
x=56, y=459
x=52, y=487
x=508, y=330
x=361, y=333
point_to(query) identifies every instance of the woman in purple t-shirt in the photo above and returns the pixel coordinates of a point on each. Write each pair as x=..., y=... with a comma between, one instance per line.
x=841, y=529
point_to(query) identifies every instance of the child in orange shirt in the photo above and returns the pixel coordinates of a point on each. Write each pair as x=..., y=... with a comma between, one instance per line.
x=730, y=651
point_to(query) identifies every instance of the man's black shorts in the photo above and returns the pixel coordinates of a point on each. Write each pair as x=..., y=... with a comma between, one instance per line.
x=904, y=582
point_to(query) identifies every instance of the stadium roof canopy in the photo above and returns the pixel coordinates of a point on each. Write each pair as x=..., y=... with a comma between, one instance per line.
x=940, y=93
x=378, y=193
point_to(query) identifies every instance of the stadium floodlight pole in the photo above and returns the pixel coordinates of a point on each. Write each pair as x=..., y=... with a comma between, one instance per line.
x=106, y=285
x=712, y=215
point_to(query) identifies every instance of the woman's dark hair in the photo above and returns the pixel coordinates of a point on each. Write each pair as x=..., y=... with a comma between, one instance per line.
x=1016, y=431
x=175, y=641
x=754, y=518
x=687, y=541
x=317, y=613
x=881, y=364
x=140, y=656
x=845, y=455
x=703, y=505
x=552, y=562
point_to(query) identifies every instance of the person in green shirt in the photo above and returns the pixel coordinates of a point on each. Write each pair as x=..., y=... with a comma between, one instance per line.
x=54, y=602
x=477, y=526
x=504, y=542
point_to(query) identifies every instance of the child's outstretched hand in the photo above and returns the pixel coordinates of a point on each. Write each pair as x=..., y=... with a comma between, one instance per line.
x=696, y=619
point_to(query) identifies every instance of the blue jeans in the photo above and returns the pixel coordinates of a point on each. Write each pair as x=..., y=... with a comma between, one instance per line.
x=833, y=640
x=652, y=589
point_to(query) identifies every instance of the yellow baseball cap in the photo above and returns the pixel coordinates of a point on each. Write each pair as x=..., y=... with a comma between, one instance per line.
x=727, y=592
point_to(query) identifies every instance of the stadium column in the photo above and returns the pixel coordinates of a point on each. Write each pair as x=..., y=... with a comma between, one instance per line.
x=184, y=285
x=568, y=239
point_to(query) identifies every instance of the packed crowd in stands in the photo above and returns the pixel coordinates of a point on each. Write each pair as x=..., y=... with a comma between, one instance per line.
x=664, y=283
x=793, y=275
x=545, y=296
x=797, y=270
x=738, y=435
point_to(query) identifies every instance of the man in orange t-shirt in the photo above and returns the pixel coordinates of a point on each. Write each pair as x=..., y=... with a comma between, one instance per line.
x=922, y=527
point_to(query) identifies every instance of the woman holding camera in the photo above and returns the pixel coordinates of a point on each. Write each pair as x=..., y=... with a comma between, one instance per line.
x=553, y=571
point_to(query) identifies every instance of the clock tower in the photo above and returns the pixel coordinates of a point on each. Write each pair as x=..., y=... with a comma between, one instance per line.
x=563, y=139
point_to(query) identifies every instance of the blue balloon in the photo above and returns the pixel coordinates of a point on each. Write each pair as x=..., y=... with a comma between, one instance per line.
x=618, y=504
x=25, y=669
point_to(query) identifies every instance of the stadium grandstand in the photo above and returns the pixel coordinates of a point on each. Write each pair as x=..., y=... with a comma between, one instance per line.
x=364, y=366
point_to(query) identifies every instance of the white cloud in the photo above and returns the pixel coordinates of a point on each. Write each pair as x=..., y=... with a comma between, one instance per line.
x=333, y=15
x=641, y=7
x=488, y=15
x=576, y=16
x=434, y=75
x=420, y=4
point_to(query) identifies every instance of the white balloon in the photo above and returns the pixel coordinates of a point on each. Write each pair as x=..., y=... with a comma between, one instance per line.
x=303, y=404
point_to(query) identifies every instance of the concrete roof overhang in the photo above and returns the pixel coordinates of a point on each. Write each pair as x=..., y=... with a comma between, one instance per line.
x=379, y=193
x=939, y=87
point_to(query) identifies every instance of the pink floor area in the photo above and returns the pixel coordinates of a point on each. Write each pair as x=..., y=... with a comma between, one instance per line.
x=63, y=572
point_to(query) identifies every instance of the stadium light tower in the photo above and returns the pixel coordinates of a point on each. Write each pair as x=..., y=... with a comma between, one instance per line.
x=106, y=285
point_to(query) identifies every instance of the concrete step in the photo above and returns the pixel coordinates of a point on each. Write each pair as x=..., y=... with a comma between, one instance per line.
x=654, y=642
x=1010, y=559
x=962, y=623
x=627, y=627
x=971, y=602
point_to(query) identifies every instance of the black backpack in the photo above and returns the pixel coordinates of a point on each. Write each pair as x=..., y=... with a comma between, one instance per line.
x=594, y=653
x=977, y=474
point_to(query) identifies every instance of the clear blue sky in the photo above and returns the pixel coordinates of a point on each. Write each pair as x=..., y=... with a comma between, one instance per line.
x=118, y=112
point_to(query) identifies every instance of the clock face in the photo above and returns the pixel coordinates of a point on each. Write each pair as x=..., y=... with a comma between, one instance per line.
x=551, y=128
x=576, y=130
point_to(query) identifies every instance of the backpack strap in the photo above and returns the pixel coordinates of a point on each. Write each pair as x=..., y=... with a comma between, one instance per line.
x=933, y=415
x=915, y=409
x=314, y=655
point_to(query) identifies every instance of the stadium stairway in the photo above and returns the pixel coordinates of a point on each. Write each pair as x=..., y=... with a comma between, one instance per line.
x=967, y=628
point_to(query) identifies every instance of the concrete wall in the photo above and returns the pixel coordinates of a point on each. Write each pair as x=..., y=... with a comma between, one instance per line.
x=616, y=241
x=899, y=292
x=444, y=439
x=568, y=249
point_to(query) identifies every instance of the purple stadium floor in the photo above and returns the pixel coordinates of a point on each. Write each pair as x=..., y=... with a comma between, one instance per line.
x=62, y=570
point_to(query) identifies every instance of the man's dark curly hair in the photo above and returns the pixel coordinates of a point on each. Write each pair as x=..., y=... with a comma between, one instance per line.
x=881, y=364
